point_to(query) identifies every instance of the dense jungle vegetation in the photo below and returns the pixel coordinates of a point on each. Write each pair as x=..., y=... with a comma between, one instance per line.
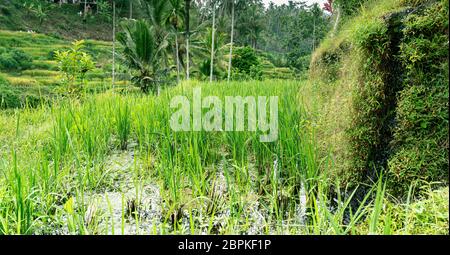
x=86, y=105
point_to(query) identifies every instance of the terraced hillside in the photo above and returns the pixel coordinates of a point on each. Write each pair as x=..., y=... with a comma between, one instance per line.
x=42, y=78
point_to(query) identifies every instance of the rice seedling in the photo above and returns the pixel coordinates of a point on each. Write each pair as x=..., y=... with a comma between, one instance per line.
x=123, y=120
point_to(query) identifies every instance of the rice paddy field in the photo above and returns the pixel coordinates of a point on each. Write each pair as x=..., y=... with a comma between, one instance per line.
x=361, y=145
x=111, y=164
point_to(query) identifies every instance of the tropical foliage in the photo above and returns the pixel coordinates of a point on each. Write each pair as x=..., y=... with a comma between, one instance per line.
x=142, y=51
x=74, y=63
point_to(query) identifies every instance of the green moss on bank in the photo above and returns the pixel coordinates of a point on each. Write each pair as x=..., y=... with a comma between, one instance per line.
x=382, y=87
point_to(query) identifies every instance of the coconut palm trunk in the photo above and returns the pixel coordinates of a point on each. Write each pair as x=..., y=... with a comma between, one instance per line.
x=114, y=46
x=211, y=72
x=177, y=55
x=187, y=7
x=131, y=9
x=231, y=43
x=336, y=23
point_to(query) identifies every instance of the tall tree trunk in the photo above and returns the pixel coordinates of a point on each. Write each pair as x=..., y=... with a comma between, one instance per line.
x=114, y=46
x=176, y=53
x=131, y=9
x=231, y=44
x=187, y=8
x=85, y=8
x=336, y=23
x=211, y=71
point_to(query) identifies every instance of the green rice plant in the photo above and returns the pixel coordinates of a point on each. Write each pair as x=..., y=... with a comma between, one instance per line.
x=20, y=186
x=61, y=133
x=123, y=120
x=377, y=207
x=206, y=182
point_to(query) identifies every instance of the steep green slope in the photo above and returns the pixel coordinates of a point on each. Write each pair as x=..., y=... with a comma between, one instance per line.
x=42, y=79
x=379, y=93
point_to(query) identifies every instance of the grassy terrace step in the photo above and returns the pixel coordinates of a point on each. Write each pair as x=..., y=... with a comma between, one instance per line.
x=41, y=73
x=22, y=81
x=29, y=81
x=45, y=65
x=25, y=39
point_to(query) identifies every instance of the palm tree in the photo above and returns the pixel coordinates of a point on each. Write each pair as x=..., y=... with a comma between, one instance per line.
x=158, y=11
x=205, y=48
x=175, y=21
x=143, y=53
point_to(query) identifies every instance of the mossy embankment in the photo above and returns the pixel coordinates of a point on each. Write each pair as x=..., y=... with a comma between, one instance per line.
x=378, y=91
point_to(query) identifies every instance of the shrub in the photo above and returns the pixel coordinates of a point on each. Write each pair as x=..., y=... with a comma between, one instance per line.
x=74, y=63
x=5, y=11
x=8, y=96
x=302, y=63
x=51, y=55
x=14, y=59
x=256, y=72
x=350, y=7
x=205, y=69
x=246, y=61
x=104, y=9
x=11, y=42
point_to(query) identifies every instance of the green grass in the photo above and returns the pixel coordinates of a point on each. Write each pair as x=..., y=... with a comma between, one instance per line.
x=111, y=163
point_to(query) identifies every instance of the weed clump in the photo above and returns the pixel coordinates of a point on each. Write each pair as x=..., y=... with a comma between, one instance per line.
x=12, y=59
x=8, y=96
